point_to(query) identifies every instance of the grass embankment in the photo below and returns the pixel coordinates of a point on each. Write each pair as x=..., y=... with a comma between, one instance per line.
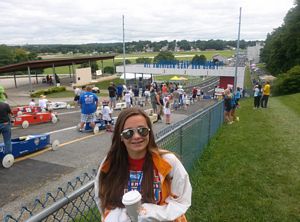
x=251, y=170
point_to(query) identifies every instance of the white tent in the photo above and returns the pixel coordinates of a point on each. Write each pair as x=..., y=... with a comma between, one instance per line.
x=137, y=75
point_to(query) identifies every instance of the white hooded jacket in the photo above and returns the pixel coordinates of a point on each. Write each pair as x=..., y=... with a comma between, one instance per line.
x=176, y=202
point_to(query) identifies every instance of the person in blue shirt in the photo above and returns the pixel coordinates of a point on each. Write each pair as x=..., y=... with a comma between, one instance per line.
x=120, y=92
x=88, y=103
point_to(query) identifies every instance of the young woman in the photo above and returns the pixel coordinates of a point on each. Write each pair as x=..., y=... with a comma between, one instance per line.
x=134, y=162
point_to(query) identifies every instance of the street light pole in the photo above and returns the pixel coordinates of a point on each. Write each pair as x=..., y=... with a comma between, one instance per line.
x=237, y=52
x=124, y=71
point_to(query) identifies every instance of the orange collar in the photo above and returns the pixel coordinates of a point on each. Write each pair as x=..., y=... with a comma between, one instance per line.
x=160, y=163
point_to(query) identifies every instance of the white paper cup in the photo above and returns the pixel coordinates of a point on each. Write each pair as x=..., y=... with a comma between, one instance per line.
x=132, y=202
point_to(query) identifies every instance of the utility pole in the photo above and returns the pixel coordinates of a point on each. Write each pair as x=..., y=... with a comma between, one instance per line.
x=237, y=52
x=124, y=71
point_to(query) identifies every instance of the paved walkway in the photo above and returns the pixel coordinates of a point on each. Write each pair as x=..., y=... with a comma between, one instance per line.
x=21, y=96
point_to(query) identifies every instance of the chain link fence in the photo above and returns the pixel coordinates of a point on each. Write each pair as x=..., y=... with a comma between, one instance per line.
x=75, y=202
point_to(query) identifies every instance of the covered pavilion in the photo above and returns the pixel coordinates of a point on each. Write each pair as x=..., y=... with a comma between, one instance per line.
x=41, y=64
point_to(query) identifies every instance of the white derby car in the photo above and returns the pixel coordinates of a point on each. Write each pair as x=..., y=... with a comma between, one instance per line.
x=58, y=105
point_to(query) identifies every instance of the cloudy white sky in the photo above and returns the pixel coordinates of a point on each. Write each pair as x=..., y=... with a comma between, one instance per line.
x=90, y=21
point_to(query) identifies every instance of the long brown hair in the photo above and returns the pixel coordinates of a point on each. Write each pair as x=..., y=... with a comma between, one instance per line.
x=113, y=182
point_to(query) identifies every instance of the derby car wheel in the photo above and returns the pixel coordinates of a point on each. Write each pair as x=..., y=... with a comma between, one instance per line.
x=19, y=113
x=25, y=124
x=55, y=145
x=8, y=161
x=96, y=130
x=54, y=119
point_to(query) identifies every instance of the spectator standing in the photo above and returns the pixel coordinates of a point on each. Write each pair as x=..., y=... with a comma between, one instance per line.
x=194, y=94
x=135, y=162
x=57, y=80
x=32, y=103
x=88, y=102
x=227, y=106
x=257, y=96
x=43, y=102
x=3, y=95
x=237, y=96
x=77, y=93
x=153, y=100
x=127, y=98
x=5, y=126
x=107, y=115
x=120, y=92
x=160, y=105
x=167, y=111
x=266, y=94
x=112, y=95
x=136, y=95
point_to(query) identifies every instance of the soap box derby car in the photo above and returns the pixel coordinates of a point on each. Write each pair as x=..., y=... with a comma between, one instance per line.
x=99, y=125
x=33, y=118
x=25, y=145
x=58, y=105
x=25, y=109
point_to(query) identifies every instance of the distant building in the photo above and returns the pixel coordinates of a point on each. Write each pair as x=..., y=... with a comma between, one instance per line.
x=253, y=52
x=220, y=58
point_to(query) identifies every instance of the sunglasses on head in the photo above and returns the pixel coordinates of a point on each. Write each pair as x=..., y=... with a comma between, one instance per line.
x=128, y=133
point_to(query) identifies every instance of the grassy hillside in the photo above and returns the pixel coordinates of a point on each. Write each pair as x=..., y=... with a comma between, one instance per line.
x=251, y=169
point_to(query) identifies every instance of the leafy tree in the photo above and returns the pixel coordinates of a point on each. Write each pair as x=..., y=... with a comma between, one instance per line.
x=184, y=45
x=6, y=55
x=199, y=59
x=164, y=57
x=143, y=60
x=282, y=47
x=109, y=69
x=288, y=83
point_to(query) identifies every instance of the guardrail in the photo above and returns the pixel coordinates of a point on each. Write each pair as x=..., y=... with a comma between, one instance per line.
x=76, y=202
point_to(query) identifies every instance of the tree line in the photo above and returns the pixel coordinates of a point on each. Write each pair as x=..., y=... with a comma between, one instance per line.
x=281, y=53
x=137, y=46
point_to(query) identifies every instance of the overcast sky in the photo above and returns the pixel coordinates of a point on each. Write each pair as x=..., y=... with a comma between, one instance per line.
x=91, y=21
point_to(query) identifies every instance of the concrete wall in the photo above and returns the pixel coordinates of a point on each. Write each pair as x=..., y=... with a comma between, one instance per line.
x=83, y=76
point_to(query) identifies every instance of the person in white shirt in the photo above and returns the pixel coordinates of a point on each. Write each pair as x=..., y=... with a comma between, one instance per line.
x=127, y=98
x=43, y=102
x=32, y=103
x=106, y=115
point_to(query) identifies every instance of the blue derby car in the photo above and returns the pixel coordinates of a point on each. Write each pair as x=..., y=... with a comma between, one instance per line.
x=25, y=145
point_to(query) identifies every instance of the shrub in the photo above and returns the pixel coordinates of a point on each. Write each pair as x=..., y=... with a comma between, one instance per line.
x=288, y=83
x=48, y=91
x=109, y=69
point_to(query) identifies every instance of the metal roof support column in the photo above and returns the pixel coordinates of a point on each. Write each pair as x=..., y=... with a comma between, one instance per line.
x=73, y=69
x=15, y=80
x=237, y=53
x=70, y=71
x=54, y=80
x=36, y=78
x=29, y=75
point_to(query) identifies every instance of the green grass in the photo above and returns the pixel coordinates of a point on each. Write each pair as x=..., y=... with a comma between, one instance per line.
x=251, y=170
